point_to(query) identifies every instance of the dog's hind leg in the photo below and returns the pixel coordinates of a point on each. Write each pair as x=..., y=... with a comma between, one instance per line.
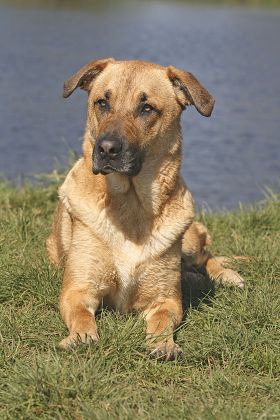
x=217, y=272
x=194, y=253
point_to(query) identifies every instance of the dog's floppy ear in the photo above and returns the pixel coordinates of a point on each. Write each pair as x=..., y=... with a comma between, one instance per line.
x=84, y=76
x=189, y=91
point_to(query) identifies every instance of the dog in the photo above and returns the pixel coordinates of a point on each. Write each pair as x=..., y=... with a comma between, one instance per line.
x=124, y=221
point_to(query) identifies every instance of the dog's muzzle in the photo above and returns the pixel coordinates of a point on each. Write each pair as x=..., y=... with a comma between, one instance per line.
x=113, y=153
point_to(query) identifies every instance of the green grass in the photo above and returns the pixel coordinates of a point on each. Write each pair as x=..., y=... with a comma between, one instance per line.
x=231, y=339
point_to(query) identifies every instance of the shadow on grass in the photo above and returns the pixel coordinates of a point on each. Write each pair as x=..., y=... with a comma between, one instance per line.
x=197, y=288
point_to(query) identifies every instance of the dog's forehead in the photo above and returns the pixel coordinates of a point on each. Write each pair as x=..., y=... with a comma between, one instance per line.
x=134, y=76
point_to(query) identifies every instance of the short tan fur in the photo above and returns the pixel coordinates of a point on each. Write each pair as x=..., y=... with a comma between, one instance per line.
x=122, y=231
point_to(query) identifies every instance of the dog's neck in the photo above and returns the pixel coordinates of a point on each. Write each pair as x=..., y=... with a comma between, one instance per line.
x=154, y=184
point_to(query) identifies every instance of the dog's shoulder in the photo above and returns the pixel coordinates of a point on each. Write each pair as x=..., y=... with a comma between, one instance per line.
x=79, y=187
x=182, y=199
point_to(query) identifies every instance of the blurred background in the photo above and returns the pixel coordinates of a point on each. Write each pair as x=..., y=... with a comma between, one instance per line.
x=232, y=47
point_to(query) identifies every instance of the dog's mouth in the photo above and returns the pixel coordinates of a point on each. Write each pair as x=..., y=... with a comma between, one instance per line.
x=125, y=169
x=107, y=169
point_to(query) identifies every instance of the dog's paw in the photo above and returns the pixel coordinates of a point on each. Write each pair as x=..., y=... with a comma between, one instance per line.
x=166, y=352
x=231, y=278
x=75, y=339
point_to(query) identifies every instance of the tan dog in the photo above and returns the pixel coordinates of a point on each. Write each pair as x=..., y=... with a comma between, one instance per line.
x=120, y=236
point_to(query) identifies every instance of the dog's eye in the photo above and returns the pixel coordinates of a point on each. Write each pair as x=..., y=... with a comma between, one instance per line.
x=102, y=104
x=146, y=109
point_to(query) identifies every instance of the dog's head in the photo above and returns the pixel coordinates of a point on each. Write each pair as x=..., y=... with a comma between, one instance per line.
x=133, y=107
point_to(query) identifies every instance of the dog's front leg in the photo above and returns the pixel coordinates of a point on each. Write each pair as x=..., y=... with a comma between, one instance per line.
x=88, y=277
x=161, y=321
x=77, y=308
x=159, y=298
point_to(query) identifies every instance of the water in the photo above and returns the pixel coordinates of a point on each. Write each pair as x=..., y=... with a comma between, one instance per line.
x=228, y=158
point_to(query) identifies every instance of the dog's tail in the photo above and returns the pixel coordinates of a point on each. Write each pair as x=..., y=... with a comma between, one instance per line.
x=194, y=253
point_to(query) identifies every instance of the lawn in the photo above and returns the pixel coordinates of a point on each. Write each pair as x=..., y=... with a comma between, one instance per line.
x=231, y=338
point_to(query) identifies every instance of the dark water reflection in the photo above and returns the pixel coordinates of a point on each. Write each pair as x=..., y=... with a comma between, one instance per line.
x=235, y=52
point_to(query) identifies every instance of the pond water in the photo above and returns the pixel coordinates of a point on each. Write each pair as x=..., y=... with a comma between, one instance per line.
x=228, y=158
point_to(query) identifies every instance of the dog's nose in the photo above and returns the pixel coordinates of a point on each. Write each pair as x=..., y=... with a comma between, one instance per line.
x=110, y=148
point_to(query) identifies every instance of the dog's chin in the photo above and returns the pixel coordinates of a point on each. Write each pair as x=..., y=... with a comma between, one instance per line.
x=108, y=169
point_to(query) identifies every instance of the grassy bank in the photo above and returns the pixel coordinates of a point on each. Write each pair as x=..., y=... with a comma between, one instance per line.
x=231, y=339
